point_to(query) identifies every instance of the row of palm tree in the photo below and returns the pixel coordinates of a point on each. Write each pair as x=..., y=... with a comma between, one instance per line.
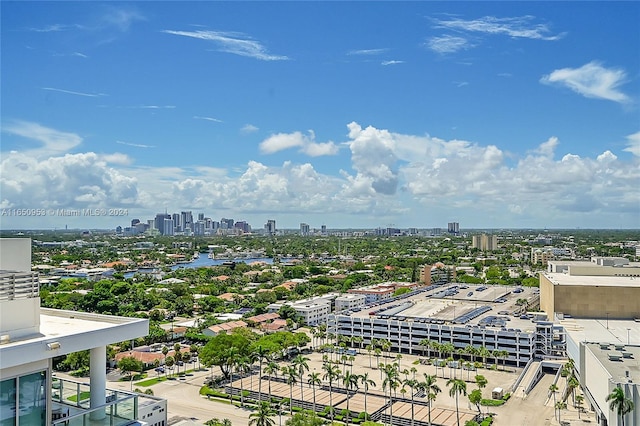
x=471, y=351
x=293, y=374
x=178, y=356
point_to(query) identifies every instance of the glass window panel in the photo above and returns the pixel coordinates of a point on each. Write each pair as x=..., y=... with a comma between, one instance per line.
x=8, y=402
x=32, y=399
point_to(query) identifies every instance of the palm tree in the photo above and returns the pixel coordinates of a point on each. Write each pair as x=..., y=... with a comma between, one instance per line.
x=503, y=354
x=386, y=346
x=398, y=359
x=481, y=381
x=217, y=422
x=484, y=353
x=291, y=376
x=165, y=351
x=377, y=351
x=496, y=355
x=358, y=340
x=619, y=403
x=471, y=351
x=553, y=388
x=572, y=385
x=177, y=355
x=560, y=405
x=168, y=363
x=578, y=404
x=194, y=353
x=232, y=356
x=313, y=380
x=262, y=417
x=369, y=349
x=412, y=383
x=431, y=389
x=457, y=387
x=350, y=381
x=332, y=372
x=437, y=346
x=366, y=382
x=425, y=343
x=475, y=397
x=390, y=381
x=272, y=367
x=300, y=365
x=242, y=366
x=261, y=353
x=178, y=359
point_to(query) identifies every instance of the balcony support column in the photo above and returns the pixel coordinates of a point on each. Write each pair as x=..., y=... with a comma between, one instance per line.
x=98, y=380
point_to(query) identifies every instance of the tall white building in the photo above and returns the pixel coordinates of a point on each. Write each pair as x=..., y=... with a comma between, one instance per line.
x=30, y=337
x=167, y=228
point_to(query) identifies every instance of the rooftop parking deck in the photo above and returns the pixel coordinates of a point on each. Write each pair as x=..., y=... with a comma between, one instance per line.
x=459, y=304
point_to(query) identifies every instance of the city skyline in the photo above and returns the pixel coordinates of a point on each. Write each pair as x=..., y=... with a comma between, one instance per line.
x=353, y=115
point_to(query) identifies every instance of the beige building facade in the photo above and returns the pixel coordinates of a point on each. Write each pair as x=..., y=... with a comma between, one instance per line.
x=589, y=297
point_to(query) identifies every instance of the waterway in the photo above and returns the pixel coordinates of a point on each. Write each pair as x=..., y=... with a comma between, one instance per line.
x=204, y=261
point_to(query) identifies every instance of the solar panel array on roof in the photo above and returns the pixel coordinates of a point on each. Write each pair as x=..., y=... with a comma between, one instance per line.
x=474, y=313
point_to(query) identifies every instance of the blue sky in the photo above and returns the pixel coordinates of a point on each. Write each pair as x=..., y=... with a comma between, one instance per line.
x=349, y=114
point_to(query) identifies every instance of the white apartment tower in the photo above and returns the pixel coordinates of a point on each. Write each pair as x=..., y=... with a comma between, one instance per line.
x=30, y=337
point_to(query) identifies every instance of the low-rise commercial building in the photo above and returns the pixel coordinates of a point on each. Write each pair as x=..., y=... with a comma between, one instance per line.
x=347, y=302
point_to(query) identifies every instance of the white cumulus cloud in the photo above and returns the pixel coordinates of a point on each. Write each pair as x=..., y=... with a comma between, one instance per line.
x=306, y=143
x=633, y=144
x=591, y=80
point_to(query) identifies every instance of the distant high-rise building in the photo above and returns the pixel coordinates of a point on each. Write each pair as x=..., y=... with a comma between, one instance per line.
x=242, y=226
x=186, y=220
x=270, y=227
x=453, y=228
x=304, y=229
x=159, y=222
x=226, y=223
x=177, y=223
x=167, y=228
x=199, y=228
x=142, y=227
x=134, y=222
x=323, y=229
x=485, y=242
x=200, y=216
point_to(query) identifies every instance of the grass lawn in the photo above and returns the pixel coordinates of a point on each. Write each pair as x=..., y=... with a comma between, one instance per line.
x=152, y=382
x=135, y=377
x=83, y=396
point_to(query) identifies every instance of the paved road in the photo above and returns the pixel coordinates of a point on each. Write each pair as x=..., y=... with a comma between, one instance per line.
x=185, y=402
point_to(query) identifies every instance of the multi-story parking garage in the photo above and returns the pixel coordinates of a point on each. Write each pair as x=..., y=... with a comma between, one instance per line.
x=491, y=316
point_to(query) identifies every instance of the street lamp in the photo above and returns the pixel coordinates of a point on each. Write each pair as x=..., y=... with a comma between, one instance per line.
x=607, y=320
x=628, y=329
